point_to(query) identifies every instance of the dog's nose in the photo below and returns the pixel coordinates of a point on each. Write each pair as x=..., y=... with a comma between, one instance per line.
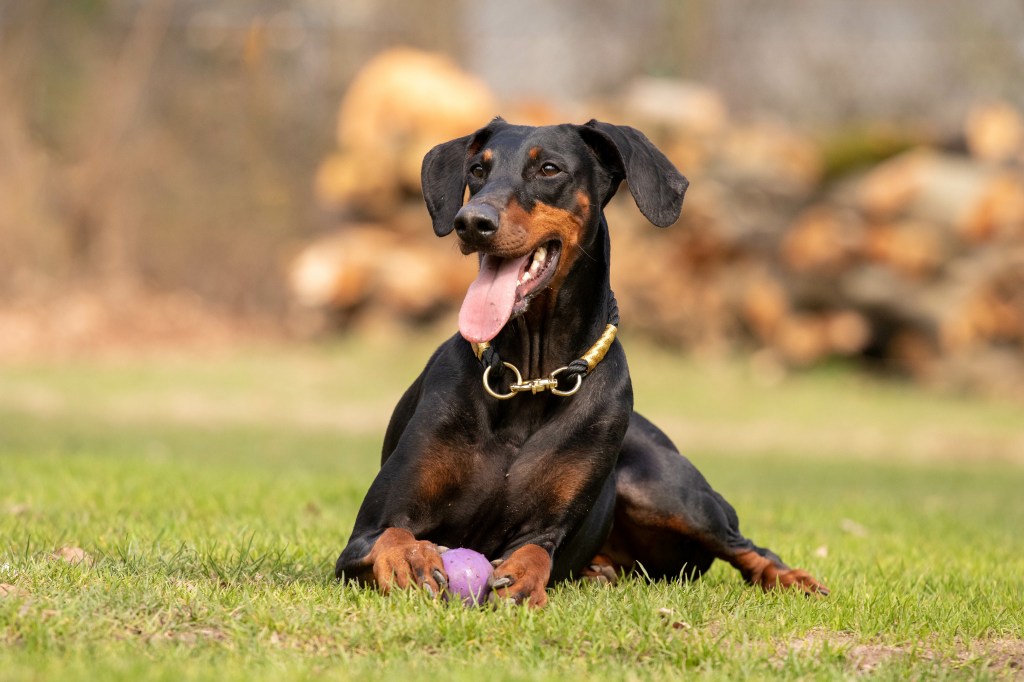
x=476, y=223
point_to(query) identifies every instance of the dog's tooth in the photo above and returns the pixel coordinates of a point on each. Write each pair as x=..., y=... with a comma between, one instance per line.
x=538, y=259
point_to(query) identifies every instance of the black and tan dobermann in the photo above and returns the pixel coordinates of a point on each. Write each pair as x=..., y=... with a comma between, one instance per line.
x=552, y=476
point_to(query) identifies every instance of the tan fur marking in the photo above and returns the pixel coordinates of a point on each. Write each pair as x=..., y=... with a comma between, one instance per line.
x=488, y=155
x=543, y=224
x=564, y=484
x=757, y=570
x=441, y=471
x=529, y=569
x=583, y=201
x=662, y=522
x=398, y=559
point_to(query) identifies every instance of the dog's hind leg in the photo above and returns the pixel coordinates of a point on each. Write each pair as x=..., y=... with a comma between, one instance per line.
x=670, y=523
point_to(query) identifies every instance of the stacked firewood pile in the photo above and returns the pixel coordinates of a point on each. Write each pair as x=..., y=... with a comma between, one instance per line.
x=911, y=260
x=893, y=249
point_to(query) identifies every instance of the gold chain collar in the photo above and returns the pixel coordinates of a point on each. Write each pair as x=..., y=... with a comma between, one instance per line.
x=592, y=357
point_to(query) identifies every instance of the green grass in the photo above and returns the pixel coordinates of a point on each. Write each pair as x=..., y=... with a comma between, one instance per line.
x=213, y=496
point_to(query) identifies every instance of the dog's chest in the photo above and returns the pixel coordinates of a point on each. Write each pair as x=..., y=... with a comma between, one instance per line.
x=486, y=494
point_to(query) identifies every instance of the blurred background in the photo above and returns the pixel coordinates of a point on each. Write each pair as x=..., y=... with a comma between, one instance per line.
x=205, y=173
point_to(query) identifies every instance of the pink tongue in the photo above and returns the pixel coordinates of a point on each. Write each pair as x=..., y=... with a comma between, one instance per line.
x=490, y=298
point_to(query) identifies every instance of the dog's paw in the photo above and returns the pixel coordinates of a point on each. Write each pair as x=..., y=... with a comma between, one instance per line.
x=522, y=578
x=800, y=579
x=773, y=578
x=601, y=570
x=401, y=561
x=773, y=575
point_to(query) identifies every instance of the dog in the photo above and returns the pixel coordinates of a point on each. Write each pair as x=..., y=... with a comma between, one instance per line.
x=553, y=477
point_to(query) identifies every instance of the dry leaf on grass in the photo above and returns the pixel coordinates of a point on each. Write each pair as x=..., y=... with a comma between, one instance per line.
x=8, y=590
x=669, y=617
x=73, y=555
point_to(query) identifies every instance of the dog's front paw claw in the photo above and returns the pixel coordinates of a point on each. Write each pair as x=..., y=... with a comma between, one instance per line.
x=799, y=579
x=532, y=596
x=401, y=561
x=601, y=570
x=522, y=578
x=500, y=582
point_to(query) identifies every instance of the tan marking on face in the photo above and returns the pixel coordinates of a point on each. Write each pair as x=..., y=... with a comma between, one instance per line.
x=521, y=232
x=488, y=155
x=583, y=201
x=542, y=224
x=534, y=153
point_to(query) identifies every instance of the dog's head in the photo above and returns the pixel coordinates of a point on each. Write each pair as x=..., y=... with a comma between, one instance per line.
x=535, y=195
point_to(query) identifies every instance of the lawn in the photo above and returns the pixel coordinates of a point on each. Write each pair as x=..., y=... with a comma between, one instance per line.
x=211, y=496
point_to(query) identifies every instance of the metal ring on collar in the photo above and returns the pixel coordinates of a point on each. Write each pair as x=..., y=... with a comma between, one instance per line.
x=571, y=391
x=502, y=396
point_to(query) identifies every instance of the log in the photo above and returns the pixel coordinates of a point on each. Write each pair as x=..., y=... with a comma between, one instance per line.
x=408, y=280
x=764, y=305
x=990, y=308
x=802, y=340
x=913, y=247
x=821, y=239
x=338, y=271
x=998, y=212
x=662, y=105
x=402, y=103
x=973, y=201
x=771, y=155
x=913, y=352
x=994, y=132
x=848, y=332
x=411, y=279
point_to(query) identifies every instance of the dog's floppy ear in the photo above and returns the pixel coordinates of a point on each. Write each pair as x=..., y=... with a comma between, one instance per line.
x=656, y=185
x=443, y=175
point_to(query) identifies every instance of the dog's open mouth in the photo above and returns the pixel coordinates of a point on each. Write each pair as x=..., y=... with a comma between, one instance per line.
x=503, y=288
x=536, y=273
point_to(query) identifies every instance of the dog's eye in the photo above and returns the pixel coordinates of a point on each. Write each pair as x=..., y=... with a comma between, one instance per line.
x=549, y=169
x=476, y=170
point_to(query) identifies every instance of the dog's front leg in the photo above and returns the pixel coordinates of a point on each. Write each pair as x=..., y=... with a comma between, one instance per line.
x=565, y=493
x=383, y=549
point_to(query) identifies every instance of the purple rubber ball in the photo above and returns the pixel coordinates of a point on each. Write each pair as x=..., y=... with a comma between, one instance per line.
x=468, y=572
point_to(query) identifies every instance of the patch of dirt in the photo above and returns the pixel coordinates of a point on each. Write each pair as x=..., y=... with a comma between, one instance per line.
x=1001, y=656
x=866, y=658
x=1004, y=655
